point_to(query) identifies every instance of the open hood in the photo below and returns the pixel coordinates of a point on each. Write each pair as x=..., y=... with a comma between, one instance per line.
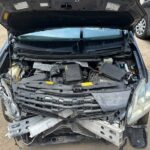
x=25, y=16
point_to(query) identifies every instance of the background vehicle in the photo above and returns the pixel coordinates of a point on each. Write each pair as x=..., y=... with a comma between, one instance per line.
x=142, y=29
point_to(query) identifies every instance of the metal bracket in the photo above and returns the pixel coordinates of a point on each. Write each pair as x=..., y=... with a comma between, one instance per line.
x=112, y=133
x=21, y=127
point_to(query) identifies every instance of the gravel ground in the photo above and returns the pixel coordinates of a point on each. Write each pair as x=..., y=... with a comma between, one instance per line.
x=9, y=144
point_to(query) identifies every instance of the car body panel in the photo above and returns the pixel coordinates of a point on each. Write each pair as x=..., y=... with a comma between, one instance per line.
x=39, y=15
x=146, y=6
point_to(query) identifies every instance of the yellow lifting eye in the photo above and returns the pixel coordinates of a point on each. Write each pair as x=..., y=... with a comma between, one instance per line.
x=5, y=16
x=85, y=84
x=49, y=82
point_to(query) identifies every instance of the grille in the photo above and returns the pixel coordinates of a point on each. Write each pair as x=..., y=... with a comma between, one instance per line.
x=32, y=100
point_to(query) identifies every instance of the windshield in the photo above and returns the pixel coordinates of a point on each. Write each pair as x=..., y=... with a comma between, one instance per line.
x=73, y=34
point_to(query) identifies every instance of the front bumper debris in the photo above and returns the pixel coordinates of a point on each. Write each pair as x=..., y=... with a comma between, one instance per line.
x=112, y=133
x=87, y=128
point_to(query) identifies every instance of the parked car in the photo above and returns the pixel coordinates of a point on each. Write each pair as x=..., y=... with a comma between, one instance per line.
x=142, y=29
x=71, y=70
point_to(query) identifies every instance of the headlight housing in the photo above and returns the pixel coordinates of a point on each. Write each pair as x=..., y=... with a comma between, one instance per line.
x=140, y=104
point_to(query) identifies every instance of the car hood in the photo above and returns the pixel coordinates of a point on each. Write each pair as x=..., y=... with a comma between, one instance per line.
x=20, y=17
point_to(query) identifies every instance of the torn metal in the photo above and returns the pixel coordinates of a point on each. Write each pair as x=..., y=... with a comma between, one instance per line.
x=112, y=133
x=47, y=125
x=12, y=109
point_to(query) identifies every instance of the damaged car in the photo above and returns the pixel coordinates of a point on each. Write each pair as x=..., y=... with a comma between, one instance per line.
x=71, y=70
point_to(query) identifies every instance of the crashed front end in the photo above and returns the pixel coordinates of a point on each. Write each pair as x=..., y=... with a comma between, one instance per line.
x=70, y=100
x=67, y=90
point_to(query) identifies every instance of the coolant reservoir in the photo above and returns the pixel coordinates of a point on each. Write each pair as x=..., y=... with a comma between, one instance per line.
x=15, y=72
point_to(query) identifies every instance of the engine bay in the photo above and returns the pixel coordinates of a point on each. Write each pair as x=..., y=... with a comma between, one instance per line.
x=69, y=95
x=52, y=88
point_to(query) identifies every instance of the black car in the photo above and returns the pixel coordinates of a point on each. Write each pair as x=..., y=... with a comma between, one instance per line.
x=71, y=70
x=142, y=29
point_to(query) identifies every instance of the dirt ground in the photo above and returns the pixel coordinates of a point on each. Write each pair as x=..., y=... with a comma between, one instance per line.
x=9, y=144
